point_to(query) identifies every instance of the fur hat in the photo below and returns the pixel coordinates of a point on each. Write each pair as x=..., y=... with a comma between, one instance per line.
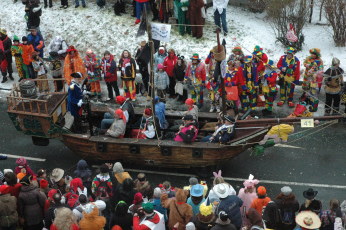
x=118, y=167
x=308, y=220
x=57, y=174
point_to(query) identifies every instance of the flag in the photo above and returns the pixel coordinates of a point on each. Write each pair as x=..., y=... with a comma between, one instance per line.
x=161, y=32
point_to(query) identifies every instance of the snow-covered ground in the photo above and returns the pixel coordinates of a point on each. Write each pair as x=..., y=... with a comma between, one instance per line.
x=101, y=30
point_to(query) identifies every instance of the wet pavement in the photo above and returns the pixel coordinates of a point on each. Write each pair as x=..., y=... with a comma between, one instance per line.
x=319, y=159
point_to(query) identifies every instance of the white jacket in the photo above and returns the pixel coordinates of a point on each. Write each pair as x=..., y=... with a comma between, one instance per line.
x=220, y=5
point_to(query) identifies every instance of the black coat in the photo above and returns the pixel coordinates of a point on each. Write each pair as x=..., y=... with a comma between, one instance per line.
x=7, y=43
x=125, y=222
x=121, y=194
x=179, y=72
x=143, y=56
x=34, y=14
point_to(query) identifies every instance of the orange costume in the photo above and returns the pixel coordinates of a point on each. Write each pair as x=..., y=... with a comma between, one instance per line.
x=73, y=63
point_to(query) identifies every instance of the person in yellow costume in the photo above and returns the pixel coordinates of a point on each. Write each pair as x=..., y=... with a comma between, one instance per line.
x=279, y=133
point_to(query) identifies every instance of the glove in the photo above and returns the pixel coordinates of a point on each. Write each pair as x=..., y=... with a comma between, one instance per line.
x=85, y=93
x=63, y=200
x=80, y=103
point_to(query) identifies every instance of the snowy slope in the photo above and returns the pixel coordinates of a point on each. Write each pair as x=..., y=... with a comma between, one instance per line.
x=101, y=30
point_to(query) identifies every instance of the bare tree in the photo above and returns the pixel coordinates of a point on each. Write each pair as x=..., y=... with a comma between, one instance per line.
x=321, y=8
x=285, y=12
x=257, y=6
x=336, y=15
x=311, y=10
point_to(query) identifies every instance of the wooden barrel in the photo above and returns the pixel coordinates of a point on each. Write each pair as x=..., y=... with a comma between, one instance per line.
x=28, y=89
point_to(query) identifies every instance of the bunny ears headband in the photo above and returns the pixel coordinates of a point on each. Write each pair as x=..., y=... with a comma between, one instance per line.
x=218, y=174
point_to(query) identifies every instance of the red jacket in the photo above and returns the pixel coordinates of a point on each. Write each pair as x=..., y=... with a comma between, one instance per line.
x=137, y=226
x=271, y=78
x=261, y=63
x=169, y=64
x=109, y=69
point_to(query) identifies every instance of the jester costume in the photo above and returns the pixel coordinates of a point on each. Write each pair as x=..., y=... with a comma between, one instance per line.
x=312, y=67
x=248, y=98
x=128, y=75
x=93, y=65
x=17, y=52
x=269, y=86
x=260, y=59
x=212, y=86
x=289, y=77
x=234, y=77
x=195, y=77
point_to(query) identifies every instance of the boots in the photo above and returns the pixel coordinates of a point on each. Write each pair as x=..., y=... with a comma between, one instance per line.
x=4, y=79
x=10, y=76
x=212, y=108
x=335, y=111
x=218, y=108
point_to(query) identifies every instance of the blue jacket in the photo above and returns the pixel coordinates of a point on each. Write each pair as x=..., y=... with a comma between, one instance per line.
x=160, y=109
x=74, y=95
x=158, y=207
x=231, y=205
x=35, y=41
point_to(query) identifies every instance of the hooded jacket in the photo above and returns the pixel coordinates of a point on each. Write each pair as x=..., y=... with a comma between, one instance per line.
x=8, y=210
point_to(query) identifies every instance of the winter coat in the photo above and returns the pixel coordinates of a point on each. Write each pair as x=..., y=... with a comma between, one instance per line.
x=98, y=180
x=169, y=64
x=193, y=112
x=50, y=214
x=34, y=14
x=7, y=43
x=8, y=210
x=36, y=41
x=292, y=67
x=190, y=126
x=158, y=207
x=144, y=188
x=125, y=222
x=159, y=59
x=84, y=173
x=119, y=193
x=27, y=52
x=93, y=67
x=291, y=206
x=15, y=190
x=179, y=72
x=161, y=80
x=260, y=203
x=117, y=129
x=30, y=205
x=195, y=207
x=201, y=224
x=109, y=69
x=155, y=222
x=231, y=205
x=127, y=106
x=74, y=96
x=219, y=5
x=128, y=69
x=160, y=111
x=58, y=45
x=143, y=57
x=333, y=80
x=224, y=134
x=315, y=206
x=220, y=225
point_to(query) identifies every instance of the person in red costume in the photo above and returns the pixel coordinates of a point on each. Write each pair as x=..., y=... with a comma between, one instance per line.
x=169, y=64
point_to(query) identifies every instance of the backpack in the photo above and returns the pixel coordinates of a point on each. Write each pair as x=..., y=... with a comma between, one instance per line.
x=287, y=217
x=271, y=215
x=102, y=190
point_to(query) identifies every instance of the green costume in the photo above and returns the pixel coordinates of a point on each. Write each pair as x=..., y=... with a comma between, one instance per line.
x=182, y=7
x=17, y=52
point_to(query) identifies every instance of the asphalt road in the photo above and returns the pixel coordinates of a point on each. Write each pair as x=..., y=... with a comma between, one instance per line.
x=320, y=159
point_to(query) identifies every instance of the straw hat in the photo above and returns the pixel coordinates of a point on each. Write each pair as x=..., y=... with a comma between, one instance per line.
x=308, y=220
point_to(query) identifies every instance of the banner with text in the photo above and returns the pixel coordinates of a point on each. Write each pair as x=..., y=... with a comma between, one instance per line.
x=161, y=32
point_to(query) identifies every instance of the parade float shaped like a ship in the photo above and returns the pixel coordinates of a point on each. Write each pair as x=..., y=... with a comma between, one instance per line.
x=43, y=116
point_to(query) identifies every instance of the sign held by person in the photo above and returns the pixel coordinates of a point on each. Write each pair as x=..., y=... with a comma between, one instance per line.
x=161, y=32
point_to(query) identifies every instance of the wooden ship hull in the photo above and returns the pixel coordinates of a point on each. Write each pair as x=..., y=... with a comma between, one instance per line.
x=165, y=153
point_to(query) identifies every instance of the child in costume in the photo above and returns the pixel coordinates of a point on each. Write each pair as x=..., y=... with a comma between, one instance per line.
x=93, y=66
x=17, y=51
x=212, y=86
x=312, y=64
x=250, y=75
x=269, y=88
